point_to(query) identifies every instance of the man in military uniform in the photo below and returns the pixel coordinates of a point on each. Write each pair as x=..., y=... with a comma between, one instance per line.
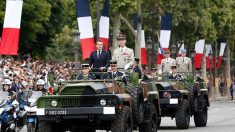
x=184, y=63
x=85, y=73
x=114, y=73
x=167, y=62
x=122, y=55
x=174, y=75
x=136, y=68
x=153, y=75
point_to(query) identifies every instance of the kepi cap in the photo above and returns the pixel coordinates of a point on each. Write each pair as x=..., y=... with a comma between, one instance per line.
x=154, y=68
x=167, y=50
x=113, y=62
x=183, y=50
x=85, y=65
x=121, y=36
x=137, y=59
x=173, y=66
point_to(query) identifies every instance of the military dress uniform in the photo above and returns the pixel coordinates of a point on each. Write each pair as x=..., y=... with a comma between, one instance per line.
x=184, y=64
x=115, y=74
x=123, y=56
x=166, y=64
x=86, y=77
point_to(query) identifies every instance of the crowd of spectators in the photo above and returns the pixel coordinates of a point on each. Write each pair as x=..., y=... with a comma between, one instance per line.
x=27, y=71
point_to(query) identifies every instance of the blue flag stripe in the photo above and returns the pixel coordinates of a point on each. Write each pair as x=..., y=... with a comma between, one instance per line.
x=223, y=40
x=83, y=9
x=166, y=22
x=135, y=17
x=105, y=11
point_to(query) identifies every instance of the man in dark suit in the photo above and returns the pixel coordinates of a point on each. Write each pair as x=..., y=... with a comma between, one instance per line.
x=85, y=73
x=99, y=59
x=114, y=73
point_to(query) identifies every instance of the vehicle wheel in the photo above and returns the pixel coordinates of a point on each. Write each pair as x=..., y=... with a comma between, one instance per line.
x=200, y=117
x=30, y=127
x=123, y=121
x=193, y=99
x=44, y=127
x=151, y=124
x=137, y=102
x=182, y=116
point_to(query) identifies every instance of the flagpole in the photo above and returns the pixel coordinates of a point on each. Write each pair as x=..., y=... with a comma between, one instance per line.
x=97, y=19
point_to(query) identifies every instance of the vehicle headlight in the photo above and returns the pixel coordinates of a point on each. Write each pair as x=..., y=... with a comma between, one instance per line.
x=103, y=102
x=54, y=103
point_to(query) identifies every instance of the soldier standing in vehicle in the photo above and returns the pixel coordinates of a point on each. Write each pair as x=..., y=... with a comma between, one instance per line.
x=122, y=55
x=85, y=73
x=114, y=73
x=184, y=64
x=174, y=75
x=136, y=68
x=167, y=62
x=153, y=75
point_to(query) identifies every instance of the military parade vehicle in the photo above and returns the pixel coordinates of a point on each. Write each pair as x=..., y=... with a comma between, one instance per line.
x=181, y=99
x=87, y=105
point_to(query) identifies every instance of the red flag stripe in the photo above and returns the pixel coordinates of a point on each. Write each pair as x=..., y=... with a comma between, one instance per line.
x=198, y=60
x=144, y=60
x=87, y=46
x=9, y=42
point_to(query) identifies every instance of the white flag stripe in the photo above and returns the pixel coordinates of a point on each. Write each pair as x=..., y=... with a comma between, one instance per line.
x=85, y=27
x=165, y=38
x=208, y=49
x=142, y=39
x=13, y=14
x=199, y=47
x=222, y=47
x=181, y=48
x=104, y=27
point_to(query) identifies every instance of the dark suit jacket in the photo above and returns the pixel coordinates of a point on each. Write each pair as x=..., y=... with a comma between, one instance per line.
x=102, y=61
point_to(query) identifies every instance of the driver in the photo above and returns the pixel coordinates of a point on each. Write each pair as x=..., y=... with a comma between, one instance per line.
x=114, y=73
x=85, y=73
x=174, y=75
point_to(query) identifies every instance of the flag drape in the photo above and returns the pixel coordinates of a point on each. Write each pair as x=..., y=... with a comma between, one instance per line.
x=199, y=48
x=11, y=28
x=165, y=34
x=85, y=28
x=221, y=53
x=104, y=25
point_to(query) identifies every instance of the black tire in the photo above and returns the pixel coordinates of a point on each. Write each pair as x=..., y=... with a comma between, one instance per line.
x=200, y=117
x=30, y=127
x=182, y=116
x=123, y=121
x=137, y=104
x=193, y=99
x=151, y=124
x=44, y=127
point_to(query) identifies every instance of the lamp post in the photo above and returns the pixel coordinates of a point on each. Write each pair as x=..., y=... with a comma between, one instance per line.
x=173, y=50
x=76, y=40
x=149, y=44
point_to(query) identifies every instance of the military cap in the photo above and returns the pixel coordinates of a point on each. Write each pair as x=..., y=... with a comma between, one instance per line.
x=167, y=51
x=183, y=50
x=121, y=36
x=85, y=65
x=113, y=62
x=173, y=66
x=137, y=59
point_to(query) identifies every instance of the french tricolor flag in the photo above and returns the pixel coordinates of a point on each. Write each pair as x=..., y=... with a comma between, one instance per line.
x=104, y=25
x=199, y=48
x=144, y=60
x=11, y=27
x=165, y=35
x=221, y=53
x=209, y=61
x=85, y=28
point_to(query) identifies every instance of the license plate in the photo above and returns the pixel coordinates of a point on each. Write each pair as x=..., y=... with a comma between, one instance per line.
x=55, y=112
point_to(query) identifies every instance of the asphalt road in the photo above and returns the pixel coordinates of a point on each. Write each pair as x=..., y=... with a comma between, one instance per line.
x=221, y=118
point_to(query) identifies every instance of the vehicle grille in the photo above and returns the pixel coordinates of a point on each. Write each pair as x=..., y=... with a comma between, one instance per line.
x=75, y=101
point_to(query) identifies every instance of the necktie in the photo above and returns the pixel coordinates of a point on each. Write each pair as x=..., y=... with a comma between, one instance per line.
x=98, y=54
